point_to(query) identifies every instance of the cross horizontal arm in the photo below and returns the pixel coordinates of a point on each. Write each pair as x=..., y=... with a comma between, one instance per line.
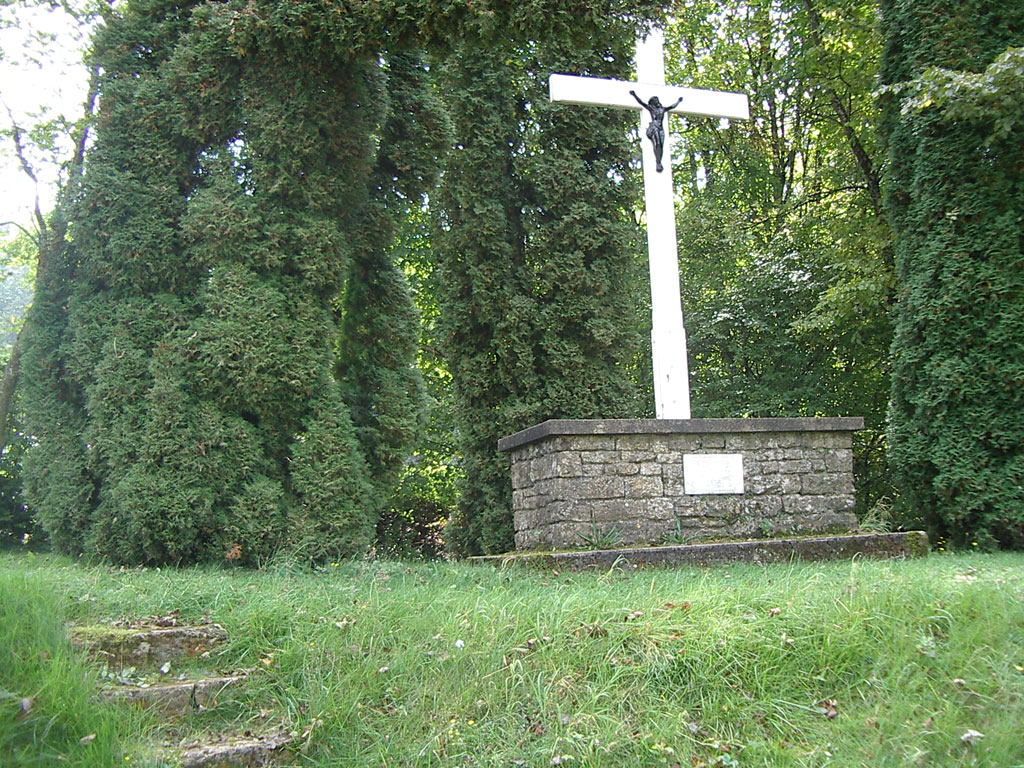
x=603, y=92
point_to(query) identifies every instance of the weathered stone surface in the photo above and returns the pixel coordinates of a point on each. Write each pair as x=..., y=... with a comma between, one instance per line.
x=245, y=750
x=562, y=429
x=570, y=475
x=823, y=483
x=175, y=698
x=874, y=545
x=643, y=487
x=136, y=646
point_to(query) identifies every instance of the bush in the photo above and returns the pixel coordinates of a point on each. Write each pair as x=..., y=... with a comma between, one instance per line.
x=956, y=430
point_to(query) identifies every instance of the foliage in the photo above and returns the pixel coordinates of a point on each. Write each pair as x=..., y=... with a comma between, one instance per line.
x=187, y=330
x=785, y=257
x=229, y=307
x=379, y=333
x=955, y=195
x=413, y=521
x=795, y=664
x=38, y=131
x=425, y=494
x=18, y=255
x=991, y=97
x=536, y=259
x=16, y=521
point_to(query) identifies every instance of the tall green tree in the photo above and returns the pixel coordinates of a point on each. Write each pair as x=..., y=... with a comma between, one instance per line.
x=784, y=249
x=954, y=197
x=537, y=257
x=222, y=352
x=183, y=382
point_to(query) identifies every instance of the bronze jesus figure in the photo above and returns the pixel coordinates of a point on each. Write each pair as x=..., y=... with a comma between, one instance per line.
x=656, y=130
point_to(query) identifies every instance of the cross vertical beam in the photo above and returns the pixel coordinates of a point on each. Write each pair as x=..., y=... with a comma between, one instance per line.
x=668, y=335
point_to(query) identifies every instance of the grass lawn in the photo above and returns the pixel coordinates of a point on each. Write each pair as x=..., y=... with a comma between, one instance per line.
x=407, y=664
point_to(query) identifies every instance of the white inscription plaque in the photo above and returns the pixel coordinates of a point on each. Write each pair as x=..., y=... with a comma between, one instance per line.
x=708, y=473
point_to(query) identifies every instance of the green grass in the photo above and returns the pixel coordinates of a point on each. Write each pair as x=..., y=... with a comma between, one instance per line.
x=46, y=716
x=394, y=664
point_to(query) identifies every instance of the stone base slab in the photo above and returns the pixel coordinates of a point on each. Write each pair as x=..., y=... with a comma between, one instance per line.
x=873, y=545
x=624, y=481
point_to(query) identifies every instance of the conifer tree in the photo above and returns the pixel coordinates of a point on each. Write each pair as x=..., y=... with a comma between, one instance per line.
x=221, y=355
x=537, y=259
x=956, y=190
x=380, y=326
x=189, y=339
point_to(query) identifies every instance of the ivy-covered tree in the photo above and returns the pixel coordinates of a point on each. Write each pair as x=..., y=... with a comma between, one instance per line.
x=955, y=196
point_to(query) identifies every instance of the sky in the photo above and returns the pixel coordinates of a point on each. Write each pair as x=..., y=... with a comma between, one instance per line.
x=41, y=72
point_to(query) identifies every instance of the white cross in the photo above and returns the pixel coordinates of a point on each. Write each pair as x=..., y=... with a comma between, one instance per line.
x=668, y=337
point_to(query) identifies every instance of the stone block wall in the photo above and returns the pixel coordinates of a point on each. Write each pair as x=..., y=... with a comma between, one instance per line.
x=572, y=479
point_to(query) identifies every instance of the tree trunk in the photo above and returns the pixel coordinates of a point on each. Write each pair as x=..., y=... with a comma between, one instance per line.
x=7, y=387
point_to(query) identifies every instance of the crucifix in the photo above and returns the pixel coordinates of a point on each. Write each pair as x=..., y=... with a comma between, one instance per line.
x=648, y=95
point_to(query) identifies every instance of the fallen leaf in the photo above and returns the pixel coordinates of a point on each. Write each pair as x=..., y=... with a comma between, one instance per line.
x=774, y=611
x=828, y=708
x=87, y=739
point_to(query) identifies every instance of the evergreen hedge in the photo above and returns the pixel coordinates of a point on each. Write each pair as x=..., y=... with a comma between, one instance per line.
x=955, y=196
x=538, y=263
x=220, y=362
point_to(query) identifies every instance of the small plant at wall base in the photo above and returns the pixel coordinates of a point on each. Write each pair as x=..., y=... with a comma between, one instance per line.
x=598, y=539
x=878, y=519
x=677, y=536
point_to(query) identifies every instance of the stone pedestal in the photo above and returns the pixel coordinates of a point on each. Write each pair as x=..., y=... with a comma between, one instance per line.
x=655, y=481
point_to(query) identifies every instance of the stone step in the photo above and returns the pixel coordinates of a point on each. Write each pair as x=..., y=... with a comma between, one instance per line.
x=248, y=749
x=175, y=698
x=874, y=545
x=145, y=645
